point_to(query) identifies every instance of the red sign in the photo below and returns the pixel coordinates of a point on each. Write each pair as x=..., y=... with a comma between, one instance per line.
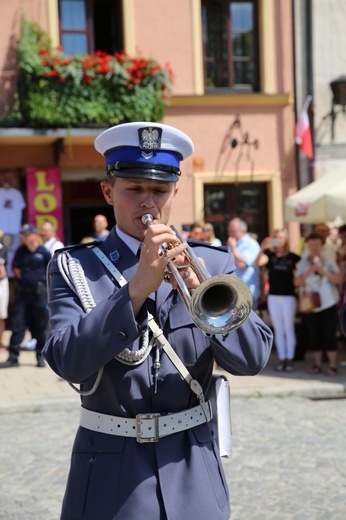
x=44, y=200
x=301, y=209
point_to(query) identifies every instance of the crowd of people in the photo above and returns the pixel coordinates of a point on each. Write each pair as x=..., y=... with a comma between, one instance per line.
x=277, y=277
x=29, y=264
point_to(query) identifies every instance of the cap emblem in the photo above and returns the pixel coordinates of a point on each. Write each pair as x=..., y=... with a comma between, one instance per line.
x=149, y=140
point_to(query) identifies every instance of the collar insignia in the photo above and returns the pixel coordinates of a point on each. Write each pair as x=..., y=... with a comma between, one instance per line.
x=114, y=256
x=149, y=140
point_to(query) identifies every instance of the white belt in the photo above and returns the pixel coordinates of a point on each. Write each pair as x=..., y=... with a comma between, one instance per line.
x=146, y=427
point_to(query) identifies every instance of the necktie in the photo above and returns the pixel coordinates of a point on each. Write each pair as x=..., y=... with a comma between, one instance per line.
x=151, y=304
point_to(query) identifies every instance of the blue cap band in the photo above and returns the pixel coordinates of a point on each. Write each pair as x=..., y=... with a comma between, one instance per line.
x=132, y=153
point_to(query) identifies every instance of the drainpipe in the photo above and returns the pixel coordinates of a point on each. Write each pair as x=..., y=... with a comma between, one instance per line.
x=295, y=89
x=310, y=77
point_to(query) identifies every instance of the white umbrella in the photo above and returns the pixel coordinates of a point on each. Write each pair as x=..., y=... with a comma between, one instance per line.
x=321, y=201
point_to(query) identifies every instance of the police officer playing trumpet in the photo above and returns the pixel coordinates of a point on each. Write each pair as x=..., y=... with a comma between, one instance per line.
x=123, y=332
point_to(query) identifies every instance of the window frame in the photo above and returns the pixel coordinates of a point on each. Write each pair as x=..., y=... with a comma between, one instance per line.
x=225, y=9
x=90, y=27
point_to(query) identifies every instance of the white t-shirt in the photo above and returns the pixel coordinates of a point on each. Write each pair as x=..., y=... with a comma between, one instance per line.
x=314, y=282
x=52, y=245
x=12, y=204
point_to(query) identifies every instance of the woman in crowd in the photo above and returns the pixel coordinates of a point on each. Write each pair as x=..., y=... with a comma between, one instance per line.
x=341, y=261
x=320, y=273
x=197, y=232
x=280, y=264
x=209, y=234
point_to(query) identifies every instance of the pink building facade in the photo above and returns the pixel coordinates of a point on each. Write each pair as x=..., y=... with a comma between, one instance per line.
x=241, y=120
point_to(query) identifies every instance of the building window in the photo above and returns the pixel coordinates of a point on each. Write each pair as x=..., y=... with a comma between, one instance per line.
x=230, y=44
x=87, y=26
x=246, y=200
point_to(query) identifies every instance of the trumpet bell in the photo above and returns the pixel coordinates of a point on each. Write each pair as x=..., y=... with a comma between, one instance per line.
x=220, y=304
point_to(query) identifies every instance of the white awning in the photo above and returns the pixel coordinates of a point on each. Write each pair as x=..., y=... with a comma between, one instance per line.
x=321, y=201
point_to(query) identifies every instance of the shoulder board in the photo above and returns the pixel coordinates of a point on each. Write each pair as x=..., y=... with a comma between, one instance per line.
x=75, y=247
x=200, y=243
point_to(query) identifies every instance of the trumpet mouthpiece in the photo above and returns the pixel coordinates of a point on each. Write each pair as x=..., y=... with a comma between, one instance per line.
x=147, y=219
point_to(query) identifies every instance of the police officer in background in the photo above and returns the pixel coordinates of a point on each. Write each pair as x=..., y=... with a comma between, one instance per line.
x=4, y=286
x=145, y=448
x=30, y=307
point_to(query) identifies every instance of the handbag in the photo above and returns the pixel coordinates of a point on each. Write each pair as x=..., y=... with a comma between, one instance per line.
x=3, y=272
x=308, y=301
x=219, y=396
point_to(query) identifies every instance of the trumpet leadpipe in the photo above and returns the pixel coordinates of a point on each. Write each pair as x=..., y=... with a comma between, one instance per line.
x=220, y=303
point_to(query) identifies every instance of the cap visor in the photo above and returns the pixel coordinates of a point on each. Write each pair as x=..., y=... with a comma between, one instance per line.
x=154, y=175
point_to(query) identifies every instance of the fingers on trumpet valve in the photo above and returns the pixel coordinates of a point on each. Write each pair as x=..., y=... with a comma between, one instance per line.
x=169, y=250
x=183, y=271
x=172, y=244
x=167, y=275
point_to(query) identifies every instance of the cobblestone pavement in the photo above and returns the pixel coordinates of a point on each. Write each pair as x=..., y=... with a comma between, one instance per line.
x=288, y=463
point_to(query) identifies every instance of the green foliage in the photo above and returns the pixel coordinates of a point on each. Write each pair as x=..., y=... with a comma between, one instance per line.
x=11, y=116
x=56, y=90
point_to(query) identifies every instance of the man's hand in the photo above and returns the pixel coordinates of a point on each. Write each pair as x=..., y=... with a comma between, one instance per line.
x=186, y=272
x=153, y=262
x=231, y=243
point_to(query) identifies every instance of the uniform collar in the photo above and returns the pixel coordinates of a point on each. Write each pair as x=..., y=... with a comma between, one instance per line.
x=131, y=242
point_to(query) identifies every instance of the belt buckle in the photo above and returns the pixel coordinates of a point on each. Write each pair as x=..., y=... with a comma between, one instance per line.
x=154, y=417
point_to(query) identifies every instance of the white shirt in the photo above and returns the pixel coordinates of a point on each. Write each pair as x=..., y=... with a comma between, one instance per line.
x=52, y=245
x=216, y=242
x=314, y=282
x=249, y=248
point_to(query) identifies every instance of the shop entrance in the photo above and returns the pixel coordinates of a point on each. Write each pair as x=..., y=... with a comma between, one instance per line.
x=82, y=201
x=81, y=218
x=246, y=200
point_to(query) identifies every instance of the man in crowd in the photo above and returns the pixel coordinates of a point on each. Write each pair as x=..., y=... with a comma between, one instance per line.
x=30, y=307
x=51, y=243
x=245, y=250
x=100, y=225
x=49, y=238
x=4, y=287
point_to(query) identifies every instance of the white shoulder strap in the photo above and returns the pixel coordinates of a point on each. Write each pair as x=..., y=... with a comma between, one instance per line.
x=157, y=332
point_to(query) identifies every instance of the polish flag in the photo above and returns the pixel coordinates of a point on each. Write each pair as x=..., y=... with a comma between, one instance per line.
x=302, y=131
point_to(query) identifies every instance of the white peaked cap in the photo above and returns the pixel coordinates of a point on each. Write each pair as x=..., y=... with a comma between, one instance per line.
x=144, y=150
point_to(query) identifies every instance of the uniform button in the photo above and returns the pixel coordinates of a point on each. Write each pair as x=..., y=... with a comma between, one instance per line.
x=122, y=335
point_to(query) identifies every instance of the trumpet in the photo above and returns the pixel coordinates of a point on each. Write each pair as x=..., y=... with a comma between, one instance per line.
x=220, y=303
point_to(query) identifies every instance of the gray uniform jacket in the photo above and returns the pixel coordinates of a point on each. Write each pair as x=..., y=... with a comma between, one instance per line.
x=180, y=477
